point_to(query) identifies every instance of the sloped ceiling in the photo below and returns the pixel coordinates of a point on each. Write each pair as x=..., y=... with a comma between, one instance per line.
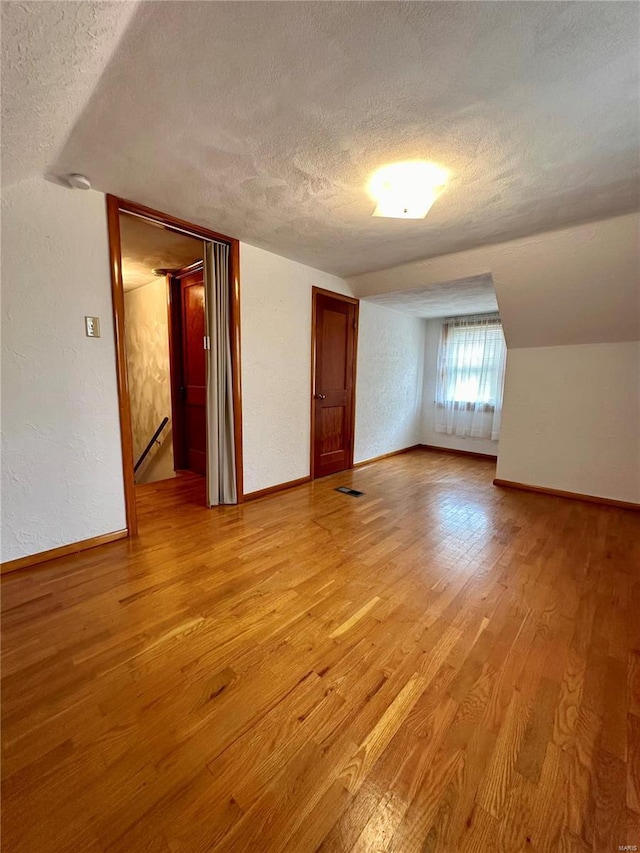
x=146, y=247
x=53, y=55
x=578, y=285
x=264, y=120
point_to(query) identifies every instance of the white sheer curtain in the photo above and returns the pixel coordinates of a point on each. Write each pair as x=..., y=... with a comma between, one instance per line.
x=221, y=461
x=470, y=381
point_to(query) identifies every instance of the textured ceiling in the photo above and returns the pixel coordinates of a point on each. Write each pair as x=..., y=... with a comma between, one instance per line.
x=53, y=54
x=146, y=247
x=264, y=120
x=475, y=295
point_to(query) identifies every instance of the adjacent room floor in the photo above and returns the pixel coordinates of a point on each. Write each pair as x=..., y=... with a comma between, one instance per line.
x=438, y=665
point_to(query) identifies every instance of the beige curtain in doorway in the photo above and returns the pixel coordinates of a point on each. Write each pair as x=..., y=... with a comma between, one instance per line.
x=221, y=461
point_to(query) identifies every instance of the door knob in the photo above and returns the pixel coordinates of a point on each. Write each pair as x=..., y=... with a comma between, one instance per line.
x=320, y=396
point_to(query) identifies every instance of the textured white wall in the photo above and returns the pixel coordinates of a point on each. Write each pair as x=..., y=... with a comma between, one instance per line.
x=146, y=325
x=389, y=381
x=61, y=460
x=571, y=419
x=276, y=365
x=428, y=434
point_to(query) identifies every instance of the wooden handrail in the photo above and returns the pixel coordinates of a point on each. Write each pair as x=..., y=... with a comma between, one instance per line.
x=145, y=452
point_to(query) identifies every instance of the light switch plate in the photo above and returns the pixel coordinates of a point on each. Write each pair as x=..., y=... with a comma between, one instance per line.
x=92, y=327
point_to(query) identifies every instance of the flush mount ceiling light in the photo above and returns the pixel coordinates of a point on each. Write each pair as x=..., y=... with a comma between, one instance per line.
x=407, y=190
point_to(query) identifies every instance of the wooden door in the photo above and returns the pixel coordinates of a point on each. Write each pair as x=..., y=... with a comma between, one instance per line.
x=188, y=357
x=335, y=323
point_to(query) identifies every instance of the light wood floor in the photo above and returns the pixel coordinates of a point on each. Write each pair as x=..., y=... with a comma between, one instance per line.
x=439, y=665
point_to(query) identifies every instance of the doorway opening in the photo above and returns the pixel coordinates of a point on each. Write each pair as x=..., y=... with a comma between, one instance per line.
x=153, y=259
x=175, y=290
x=334, y=341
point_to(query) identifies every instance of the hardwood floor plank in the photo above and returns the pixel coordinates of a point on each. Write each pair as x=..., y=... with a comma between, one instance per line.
x=379, y=737
x=633, y=681
x=425, y=810
x=614, y=718
x=578, y=767
x=568, y=706
x=440, y=666
x=481, y=833
x=549, y=803
x=353, y=620
x=500, y=773
x=538, y=731
x=609, y=795
x=633, y=764
x=515, y=828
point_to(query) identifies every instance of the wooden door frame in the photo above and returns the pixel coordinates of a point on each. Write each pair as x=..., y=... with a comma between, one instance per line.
x=315, y=292
x=116, y=206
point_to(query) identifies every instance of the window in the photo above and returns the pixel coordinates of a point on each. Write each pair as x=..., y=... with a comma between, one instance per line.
x=471, y=364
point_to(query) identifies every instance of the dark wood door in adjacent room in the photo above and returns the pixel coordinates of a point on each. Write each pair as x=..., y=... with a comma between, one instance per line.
x=189, y=370
x=334, y=330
